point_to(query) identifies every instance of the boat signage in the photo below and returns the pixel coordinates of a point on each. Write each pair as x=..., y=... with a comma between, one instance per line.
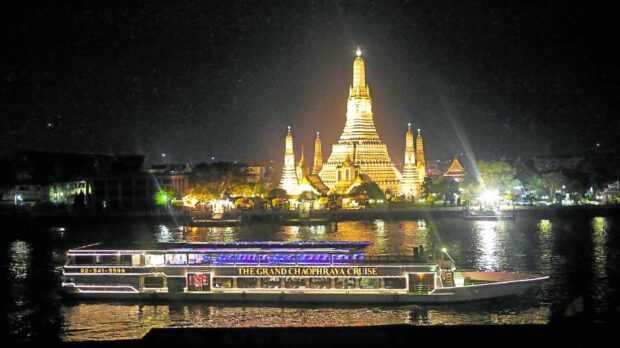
x=308, y=271
x=102, y=270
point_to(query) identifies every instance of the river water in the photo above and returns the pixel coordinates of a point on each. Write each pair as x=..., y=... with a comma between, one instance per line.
x=580, y=254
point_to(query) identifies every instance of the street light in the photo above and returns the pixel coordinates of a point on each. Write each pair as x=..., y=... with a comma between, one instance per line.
x=445, y=251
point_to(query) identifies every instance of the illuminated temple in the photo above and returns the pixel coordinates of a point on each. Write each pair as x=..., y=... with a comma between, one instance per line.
x=359, y=140
x=358, y=153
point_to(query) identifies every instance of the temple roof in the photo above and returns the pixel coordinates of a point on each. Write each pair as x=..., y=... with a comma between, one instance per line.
x=455, y=170
x=317, y=183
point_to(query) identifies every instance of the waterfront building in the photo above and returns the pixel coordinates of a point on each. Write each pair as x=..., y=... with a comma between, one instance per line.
x=360, y=135
x=455, y=171
x=289, y=175
x=358, y=151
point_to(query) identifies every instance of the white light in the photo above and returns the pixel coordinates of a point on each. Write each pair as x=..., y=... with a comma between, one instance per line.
x=163, y=155
x=489, y=196
x=358, y=52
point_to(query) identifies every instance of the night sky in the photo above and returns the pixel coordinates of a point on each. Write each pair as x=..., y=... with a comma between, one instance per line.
x=224, y=79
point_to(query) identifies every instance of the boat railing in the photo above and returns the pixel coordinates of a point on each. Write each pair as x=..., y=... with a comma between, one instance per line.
x=390, y=259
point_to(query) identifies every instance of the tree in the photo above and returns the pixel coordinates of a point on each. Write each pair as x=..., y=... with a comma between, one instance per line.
x=497, y=175
x=446, y=188
x=427, y=187
x=164, y=196
x=537, y=185
x=554, y=182
x=277, y=193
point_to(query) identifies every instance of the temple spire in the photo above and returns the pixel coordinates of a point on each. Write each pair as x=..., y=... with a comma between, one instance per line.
x=301, y=169
x=359, y=73
x=317, y=165
x=288, y=181
x=409, y=182
x=419, y=157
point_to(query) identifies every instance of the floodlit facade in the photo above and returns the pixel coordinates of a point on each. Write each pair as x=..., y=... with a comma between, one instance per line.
x=359, y=151
x=420, y=162
x=410, y=183
x=455, y=171
x=360, y=141
x=318, y=156
x=289, y=176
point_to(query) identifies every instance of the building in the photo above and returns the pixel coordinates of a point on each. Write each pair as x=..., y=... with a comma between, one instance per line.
x=360, y=135
x=289, y=182
x=359, y=151
x=317, y=165
x=104, y=181
x=256, y=172
x=455, y=171
x=172, y=176
x=410, y=182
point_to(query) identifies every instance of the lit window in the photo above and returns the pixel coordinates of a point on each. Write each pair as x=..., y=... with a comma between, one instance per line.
x=198, y=259
x=176, y=259
x=154, y=260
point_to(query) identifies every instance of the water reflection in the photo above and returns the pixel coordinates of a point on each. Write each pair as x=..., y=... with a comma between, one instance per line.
x=601, y=283
x=580, y=254
x=489, y=245
x=90, y=321
x=19, y=260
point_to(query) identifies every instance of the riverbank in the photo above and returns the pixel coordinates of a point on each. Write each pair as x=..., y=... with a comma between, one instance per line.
x=287, y=217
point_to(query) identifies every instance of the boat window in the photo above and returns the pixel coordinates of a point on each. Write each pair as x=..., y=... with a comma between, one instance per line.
x=153, y=282
x=246, y=259
x=295, y=283
x=225, y=259
x=84, y=260
x=154, y=260
x=198, y=259
x=358, y=257
x=311, y=259
x=198, y=282
x=270, y=283
x=106, y=259
x=278, y=259
x=421, y=283
x=126, y=260
x=247, y=283
x=176, y=259
x=345, y=283
x=395, y=283
x=320, y=283
x=222, y=283
x=341, y=259
x=370, y=283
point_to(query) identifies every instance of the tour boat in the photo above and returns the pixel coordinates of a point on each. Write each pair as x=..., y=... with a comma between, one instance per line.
x=276, y=271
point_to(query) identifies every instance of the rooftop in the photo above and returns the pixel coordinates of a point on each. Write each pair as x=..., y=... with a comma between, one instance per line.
x=229, y=246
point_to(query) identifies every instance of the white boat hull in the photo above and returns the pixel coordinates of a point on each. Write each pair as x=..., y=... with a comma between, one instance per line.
x=439, y=295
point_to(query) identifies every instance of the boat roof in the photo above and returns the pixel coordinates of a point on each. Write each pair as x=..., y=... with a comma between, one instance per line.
x=316, y=246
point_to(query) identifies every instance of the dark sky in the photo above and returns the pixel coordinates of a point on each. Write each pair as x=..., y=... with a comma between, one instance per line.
x=224, y=79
